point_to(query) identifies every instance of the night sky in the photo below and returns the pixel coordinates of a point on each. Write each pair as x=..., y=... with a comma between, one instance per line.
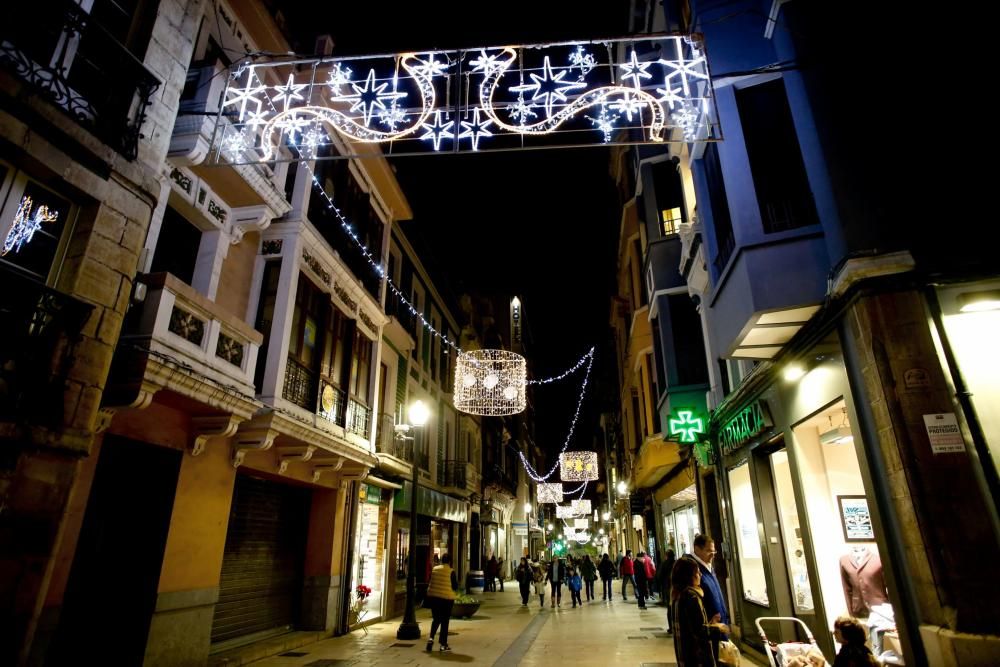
x=538, y=223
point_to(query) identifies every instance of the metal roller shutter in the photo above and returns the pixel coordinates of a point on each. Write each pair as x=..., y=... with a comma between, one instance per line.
x=260, y=587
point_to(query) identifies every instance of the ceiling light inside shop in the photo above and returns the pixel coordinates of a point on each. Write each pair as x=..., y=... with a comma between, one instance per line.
x=977, y=302
x=793, y=372
x=840, y=435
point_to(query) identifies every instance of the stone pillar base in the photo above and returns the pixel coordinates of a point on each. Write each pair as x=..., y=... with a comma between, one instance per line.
x=180, y=631
x=321, y=602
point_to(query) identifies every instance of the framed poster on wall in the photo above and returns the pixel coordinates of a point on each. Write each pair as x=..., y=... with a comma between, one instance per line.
x=856, y=519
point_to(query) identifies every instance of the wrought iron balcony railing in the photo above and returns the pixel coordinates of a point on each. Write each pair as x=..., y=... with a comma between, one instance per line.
x=57, y=48
x=300, y=385
x=358, y=417
x=40, y=327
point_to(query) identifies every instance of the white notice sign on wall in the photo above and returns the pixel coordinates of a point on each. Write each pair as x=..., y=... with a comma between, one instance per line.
x=944, y=434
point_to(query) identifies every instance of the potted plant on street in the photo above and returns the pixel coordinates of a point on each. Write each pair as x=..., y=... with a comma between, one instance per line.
x=358, y=609
x=465, y=606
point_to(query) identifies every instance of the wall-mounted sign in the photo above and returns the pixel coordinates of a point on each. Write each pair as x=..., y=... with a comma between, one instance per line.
x=686, y=426
x=944, y=434
x=749, y=423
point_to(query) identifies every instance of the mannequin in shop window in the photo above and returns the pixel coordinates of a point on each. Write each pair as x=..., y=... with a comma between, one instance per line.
x=864, y=582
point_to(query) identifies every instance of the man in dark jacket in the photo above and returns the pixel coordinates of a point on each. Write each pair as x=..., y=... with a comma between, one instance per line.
x=715, y=603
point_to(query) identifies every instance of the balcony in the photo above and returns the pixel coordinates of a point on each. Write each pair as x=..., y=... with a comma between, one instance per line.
x=770, y=289
x=40, y=328
x=183, y=342
x=242, y=185
x=461, y=478
x=75, y=63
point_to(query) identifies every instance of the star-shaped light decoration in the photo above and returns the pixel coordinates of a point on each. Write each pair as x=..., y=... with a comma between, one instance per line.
x=636, y=71
x=549, y=87
x=669, y=94
x=687, y=426
x=475, y=129
x=369, y=96
x=684, y=68
x=289, y=92
x=431, y=67
x=246, y=95
x=487, y=64
x=293, y=125
x=438, y=130
x=628, y=105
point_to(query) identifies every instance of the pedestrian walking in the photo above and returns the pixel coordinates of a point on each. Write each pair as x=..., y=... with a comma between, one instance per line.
x=499, y=574
x=523, y=576
x=555, y=576
x=641, y=579
x=663, y=574
x=575, y=584
x=627, y=570
x=694, y=634
x=538, y=577
x=607, y=571
x=647, y=562
x=589, y=573
x=441, y=599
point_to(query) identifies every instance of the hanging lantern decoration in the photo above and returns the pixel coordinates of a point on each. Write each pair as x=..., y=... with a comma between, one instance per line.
x=581, y=507
x=490, y=383
x=581, y=523
x=582, y=536
x=550, y=493
x=565, y=512
x=578, y=466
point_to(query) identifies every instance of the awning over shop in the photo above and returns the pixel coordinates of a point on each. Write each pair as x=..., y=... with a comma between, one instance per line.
x=432, y=503
x=678, y=483
x=656, y=459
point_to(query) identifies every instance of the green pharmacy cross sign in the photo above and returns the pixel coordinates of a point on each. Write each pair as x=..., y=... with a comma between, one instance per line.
x=687, y=426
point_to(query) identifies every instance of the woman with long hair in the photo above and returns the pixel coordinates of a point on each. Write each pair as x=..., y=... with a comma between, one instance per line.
x=694, y=636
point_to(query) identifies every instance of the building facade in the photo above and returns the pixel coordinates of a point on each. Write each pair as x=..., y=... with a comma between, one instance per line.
x=208, y=341
x=846, y=392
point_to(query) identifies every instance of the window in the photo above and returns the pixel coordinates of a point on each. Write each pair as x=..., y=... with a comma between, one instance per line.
x=779, y=174
x=751, y=558
x=356, y=205
x=333, y=364
x=671, y=219
x=361, y=359
x=176, y=246
x=722, y=223
x=265, y=315
x=33, y=223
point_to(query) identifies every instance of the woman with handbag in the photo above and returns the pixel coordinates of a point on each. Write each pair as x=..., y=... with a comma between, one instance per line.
x=693, y=634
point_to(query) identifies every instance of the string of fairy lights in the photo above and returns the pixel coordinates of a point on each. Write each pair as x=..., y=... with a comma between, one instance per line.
x=587, y=359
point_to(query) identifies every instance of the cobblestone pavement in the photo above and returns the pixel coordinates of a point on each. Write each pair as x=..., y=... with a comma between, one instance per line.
x=503, y=632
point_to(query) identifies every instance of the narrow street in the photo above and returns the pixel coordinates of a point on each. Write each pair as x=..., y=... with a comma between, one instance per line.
x=503, y=632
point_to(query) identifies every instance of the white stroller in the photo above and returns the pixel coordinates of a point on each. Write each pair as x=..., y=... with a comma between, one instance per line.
x=793, y=652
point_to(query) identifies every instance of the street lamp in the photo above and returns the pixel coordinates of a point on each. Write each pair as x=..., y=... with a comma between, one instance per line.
x=606, y=516
x=418, y=413
x=527, y=509
x=622, y=488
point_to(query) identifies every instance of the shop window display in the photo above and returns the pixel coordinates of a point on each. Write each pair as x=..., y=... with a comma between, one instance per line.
x=369, y=550
x=748, y=538
x=847, y=558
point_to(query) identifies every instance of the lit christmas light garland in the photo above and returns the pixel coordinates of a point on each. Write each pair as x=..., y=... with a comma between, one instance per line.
x=380, y=271
x=524, y=92
x=532, y=473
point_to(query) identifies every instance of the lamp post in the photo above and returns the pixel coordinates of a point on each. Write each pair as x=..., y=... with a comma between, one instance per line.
x=409, y=628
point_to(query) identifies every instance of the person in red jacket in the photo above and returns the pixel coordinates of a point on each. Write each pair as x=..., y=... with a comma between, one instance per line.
x=627, y=571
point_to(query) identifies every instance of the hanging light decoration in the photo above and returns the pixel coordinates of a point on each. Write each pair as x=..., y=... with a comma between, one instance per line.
x=550, y=493
x=581, y=523
x=565, y=512
x=578, y=466
x=581, y=507
x=490, y=383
